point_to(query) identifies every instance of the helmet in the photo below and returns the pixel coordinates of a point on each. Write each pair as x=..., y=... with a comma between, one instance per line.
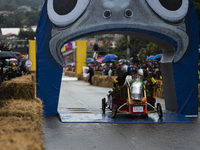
x=140, y=71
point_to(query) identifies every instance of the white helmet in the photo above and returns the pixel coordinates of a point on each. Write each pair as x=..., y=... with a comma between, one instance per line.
x=140, y=72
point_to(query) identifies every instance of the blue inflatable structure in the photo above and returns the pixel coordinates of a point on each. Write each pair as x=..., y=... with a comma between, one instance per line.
x=173, y=25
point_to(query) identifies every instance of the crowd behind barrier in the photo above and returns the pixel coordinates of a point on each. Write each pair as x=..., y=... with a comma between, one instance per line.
x=13, y=70
x=102, y=72
x=147, y=68
x=5, y=46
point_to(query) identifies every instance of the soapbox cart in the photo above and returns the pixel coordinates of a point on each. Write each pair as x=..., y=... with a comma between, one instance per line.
x=132, y=99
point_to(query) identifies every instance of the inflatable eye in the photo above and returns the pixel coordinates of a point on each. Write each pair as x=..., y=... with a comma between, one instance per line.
x=170, y=10
x=107, y=14
x=65, y=12
x=128, y=13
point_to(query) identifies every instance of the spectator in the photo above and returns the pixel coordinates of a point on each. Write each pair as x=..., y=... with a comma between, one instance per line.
x=91, y=72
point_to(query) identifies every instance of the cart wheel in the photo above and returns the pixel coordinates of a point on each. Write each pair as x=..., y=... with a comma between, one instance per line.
x=114, y=110
x=103, y=105
x=159, y=110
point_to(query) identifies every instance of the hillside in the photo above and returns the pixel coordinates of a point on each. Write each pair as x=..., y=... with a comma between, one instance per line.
x=13, y=4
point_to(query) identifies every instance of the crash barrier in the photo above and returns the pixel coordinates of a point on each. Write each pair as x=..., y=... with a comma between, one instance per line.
x=70, y=73
x=21, y=115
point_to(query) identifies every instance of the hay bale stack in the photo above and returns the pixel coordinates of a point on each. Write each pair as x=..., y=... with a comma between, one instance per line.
x=86, y=79
x=106, y=81
x=98, y=73
x=12, y=124
x=33, y=75
x=18, y=88
x=21, y=141
x=70, y=73
x=21, y=124
x=103, y=81
x=22, y=108
x=80, y=76
x=95, y=80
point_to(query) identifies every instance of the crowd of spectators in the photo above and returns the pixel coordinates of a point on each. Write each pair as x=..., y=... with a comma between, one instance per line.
x=146, y=68
x=14, y=70
x=5, y=46
x=11, y=70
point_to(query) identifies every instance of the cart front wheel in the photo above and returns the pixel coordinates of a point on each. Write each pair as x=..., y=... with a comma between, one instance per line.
x=103, y=105
x=159, y=110
x=114, y=110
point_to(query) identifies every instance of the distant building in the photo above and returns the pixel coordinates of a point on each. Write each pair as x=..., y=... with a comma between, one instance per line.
x=25, y=8
x=15, y=31
x=11, y=36
x=100, y=43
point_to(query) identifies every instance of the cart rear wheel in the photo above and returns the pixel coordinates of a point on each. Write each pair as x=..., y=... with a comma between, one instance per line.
x=159, y=110
x=103, y=105
x=114, y=110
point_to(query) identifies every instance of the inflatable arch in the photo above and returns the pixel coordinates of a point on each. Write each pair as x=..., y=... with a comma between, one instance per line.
x=172, y=24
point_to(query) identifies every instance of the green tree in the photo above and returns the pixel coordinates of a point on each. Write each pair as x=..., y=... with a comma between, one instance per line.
x=27, y=34
x=135, y=45
x=10, y=7
x=107, y=43
x=151, y=49
x=121, y=48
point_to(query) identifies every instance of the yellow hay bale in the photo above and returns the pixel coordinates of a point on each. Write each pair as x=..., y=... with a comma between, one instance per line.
x=70, y=73
x=19, y=124
x=24, y=78
x=22, y=108
x=103, y=81
x=21, y=141
x=80, y=76
x=95, y=80
x=98, y=73
x=86, y=79
x=21, y=88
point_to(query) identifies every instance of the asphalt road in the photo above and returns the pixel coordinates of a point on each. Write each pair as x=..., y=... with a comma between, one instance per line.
x=109, y=136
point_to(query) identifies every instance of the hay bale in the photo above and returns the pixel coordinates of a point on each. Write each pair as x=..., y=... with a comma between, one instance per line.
x=12, y=124
x=21, y=141
x=31, y=109
x=86, y=79
x=106, y=81
x=70, y=73
x=95, y=80
x=99, y=73
x=18, y=88
x=21, y=124
x=80, y=76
